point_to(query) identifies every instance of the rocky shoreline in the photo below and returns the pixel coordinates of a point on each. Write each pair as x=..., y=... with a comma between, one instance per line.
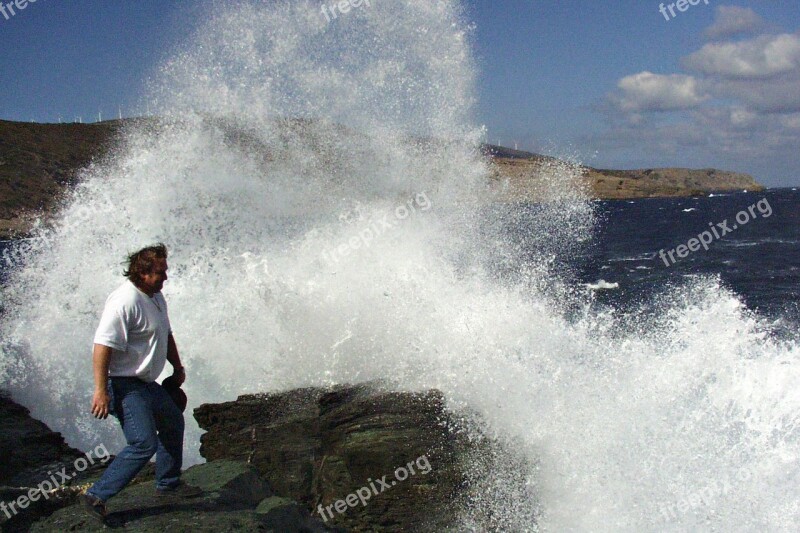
x=39, y=164
x=343, y=458
x=521, y=175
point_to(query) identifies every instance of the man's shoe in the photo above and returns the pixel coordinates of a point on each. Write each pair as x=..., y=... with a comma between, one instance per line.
x=182, y=490
x=94, y=506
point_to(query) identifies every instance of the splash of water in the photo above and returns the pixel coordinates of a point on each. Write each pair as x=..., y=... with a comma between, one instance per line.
x=329, y=219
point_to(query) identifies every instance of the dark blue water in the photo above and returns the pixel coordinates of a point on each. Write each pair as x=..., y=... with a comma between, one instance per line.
x=759, y=260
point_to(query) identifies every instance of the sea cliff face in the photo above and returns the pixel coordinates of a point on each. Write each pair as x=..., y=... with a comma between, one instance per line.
x=39, y=163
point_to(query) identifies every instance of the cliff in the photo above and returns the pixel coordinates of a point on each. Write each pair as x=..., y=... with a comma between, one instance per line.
x=39, y=163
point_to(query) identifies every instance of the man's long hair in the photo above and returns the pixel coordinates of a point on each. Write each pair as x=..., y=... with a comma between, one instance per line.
x=142, y=262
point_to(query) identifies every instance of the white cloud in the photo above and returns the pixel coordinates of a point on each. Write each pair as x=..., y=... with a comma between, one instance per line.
x=734, y=20
x=742, y=117
x=791, y=121
x=763, y=96
x=763, y=57
x=737, y=106
x=646, y=91
x=728, y=138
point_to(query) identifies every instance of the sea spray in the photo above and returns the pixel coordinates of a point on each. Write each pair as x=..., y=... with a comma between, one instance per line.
x=282, y=135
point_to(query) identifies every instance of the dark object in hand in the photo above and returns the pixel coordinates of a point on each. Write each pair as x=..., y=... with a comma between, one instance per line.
x=175, y=392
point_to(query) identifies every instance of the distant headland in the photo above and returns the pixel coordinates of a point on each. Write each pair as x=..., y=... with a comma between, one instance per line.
x=39, y=163
x=517, y=167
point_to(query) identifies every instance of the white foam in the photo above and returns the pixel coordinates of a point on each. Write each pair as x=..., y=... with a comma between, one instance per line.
x=602, y=285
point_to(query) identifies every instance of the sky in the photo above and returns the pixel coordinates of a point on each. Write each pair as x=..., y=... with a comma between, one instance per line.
x=612, y=84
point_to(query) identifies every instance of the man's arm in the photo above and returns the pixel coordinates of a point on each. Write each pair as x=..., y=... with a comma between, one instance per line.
x=101, y=358
x=175, y=360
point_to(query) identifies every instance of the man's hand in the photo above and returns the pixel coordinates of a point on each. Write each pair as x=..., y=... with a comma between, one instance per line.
x=101, y=359
x=100, y=403
x=179, y=373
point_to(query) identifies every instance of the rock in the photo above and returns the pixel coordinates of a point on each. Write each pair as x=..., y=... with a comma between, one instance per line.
x=229, y=483
x=357, y=456
x=236, y=499
x=30, y=452
x=283, y=514
x=274, y=503
x=28, y=447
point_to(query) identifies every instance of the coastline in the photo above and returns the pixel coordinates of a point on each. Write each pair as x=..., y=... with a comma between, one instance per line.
x=40, y=163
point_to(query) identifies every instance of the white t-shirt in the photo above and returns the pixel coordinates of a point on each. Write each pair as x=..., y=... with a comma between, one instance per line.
x=136, y=328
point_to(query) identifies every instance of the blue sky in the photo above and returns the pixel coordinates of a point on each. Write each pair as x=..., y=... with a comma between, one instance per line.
x=614, y=84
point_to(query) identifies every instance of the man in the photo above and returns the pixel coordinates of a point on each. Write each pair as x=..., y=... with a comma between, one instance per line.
x=131, y=346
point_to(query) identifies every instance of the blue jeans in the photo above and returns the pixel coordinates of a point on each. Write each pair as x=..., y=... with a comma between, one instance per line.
x=153, y=425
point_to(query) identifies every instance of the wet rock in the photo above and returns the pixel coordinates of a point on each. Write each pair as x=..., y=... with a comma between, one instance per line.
x=229, y=483
x=283, y=514
x=345, y=458
x=234, y=500
x=30, y=454
x=358, y=457
x=28, y=447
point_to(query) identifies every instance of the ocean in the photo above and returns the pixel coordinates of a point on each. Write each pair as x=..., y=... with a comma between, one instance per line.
x=759, y=261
